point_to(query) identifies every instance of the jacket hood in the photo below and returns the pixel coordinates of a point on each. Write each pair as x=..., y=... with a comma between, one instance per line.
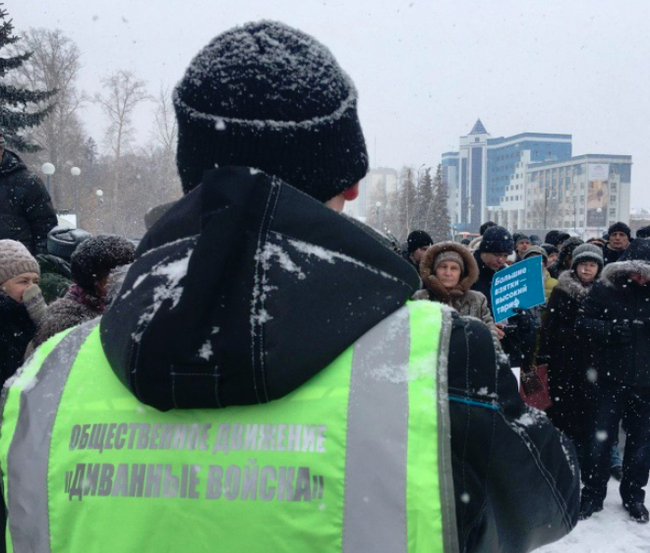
x=468, y=277
x=635, y=259
x=52, y=264
x=618, y=273
x=11, y=163
x=244, y=290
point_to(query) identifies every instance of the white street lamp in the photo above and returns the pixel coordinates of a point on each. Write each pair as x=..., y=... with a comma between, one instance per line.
x=75, y=171
x=48, y=170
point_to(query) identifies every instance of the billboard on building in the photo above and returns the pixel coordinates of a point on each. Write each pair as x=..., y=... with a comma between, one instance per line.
x=597, y=194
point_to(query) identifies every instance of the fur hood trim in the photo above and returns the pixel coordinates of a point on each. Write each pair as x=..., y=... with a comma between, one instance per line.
x=569, y=282
x=614, y=273
x=431, y=281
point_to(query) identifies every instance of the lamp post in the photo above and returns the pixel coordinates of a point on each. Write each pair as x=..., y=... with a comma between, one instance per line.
x=75, y=171
x=99, y=194
x=48, y=170
x=599, y=210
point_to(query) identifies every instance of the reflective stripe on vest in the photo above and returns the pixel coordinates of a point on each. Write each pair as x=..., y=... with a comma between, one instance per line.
x=346, y=463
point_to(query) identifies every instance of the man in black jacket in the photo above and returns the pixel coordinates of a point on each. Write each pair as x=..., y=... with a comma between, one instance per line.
x=492, y=254
x=615, y=319
x=619, y=239
x=254, y=283
x=26, y=212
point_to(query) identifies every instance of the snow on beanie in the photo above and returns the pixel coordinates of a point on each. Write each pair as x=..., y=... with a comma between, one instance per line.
x=15, y=260
x=270, y=97
x=497, y=240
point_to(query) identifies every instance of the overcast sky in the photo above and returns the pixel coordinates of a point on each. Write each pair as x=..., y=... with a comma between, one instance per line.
x=425, y=70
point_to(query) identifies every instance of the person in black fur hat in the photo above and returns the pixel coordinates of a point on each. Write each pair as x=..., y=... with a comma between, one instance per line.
x=563, y=262
x=619, y=237
x=416, y=246
x=90, y=266
x=614, y=321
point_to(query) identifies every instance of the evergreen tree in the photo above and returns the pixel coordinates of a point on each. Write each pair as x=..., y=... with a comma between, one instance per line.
x=440, y=223
x=406, y=204
x=425, y=200
x=20, y=108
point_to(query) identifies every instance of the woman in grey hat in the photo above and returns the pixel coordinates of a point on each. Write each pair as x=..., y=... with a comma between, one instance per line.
x=570, y=381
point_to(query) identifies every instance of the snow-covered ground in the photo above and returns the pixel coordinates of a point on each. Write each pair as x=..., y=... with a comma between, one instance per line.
x=610, y=531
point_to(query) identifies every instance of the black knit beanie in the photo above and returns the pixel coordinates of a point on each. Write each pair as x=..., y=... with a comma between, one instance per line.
x=620, y=227
x=270, y=97
x=418, y=239
x=497, y=240
x=552, y=237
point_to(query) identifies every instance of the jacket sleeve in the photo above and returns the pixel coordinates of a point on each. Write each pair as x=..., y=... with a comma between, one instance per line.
x=486, y=317
x=515, y=476
x=550, y=317
x=39, y=213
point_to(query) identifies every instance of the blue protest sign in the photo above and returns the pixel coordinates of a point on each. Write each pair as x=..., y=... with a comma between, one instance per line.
x=519, y=286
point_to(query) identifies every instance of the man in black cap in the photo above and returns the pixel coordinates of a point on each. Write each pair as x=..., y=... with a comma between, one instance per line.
x=417, y=243
x=26, y=212
x=492, y=254
x=619, y=237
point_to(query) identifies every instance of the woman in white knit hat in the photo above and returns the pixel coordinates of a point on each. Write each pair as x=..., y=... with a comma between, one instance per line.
x=21, y=304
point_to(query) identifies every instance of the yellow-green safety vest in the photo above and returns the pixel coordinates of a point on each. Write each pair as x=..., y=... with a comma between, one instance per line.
x=355, y=460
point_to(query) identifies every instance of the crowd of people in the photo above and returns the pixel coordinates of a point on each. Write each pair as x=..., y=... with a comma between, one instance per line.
x=593, y=332
x=267, y=366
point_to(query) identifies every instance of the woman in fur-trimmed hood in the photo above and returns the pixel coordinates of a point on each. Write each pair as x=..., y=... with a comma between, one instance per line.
x=439, y=261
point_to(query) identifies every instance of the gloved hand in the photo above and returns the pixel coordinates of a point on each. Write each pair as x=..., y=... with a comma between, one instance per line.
x=35, y=303
x=621, y=333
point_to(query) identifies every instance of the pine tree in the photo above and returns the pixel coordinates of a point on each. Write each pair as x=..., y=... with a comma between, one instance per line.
x=406, y=204
x=440, y=223
x=20, y=108
x=425, y=200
